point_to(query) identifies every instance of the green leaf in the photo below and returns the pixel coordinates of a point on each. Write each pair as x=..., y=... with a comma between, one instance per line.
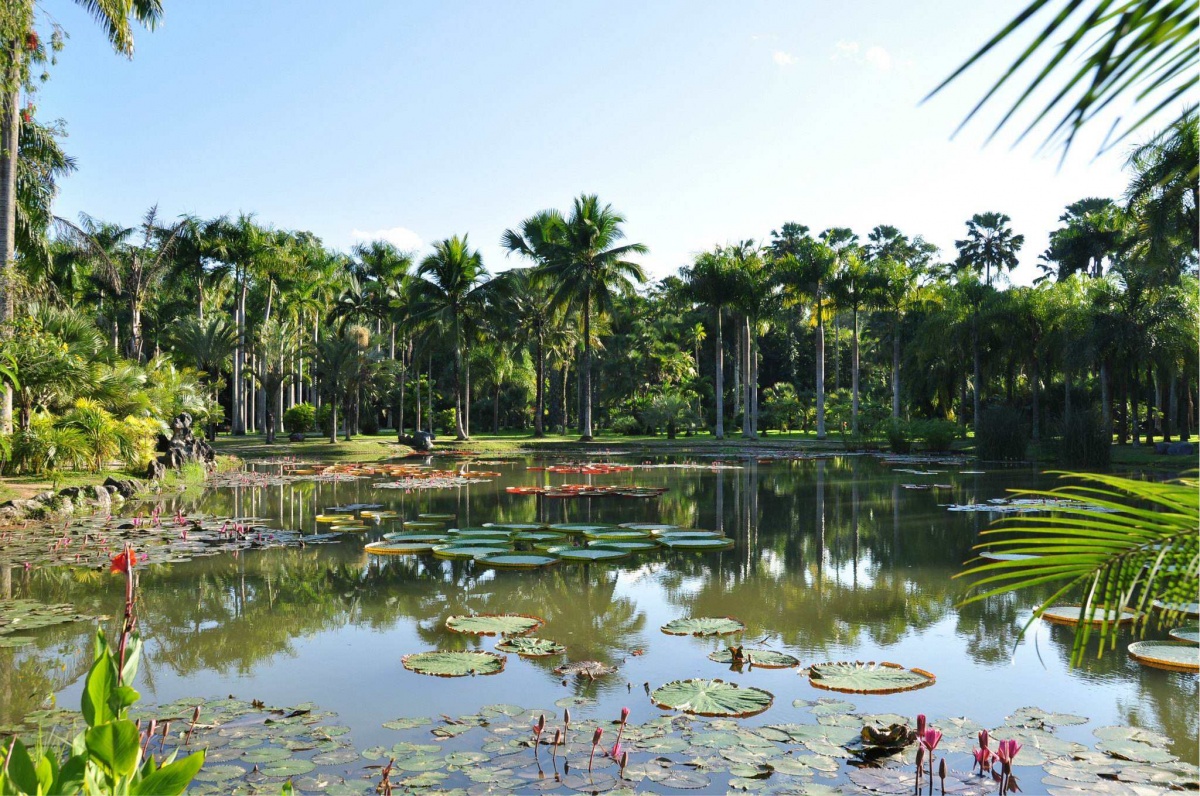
x=101, y=680
x=711, y=698
x=494, y=624
x=114, y=746
x=133, y=653
x=171, y=779
x=21, y=771
x=856, y=677
x=703, y=626
x=453, y=664
x=69, y=778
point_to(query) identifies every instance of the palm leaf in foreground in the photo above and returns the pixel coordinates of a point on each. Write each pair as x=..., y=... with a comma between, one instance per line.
x=1115, y=543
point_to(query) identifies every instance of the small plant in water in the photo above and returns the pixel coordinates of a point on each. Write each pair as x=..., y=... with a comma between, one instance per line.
x=1005, y=752
x=538, y=727
x=983, y=755
x=595, y=742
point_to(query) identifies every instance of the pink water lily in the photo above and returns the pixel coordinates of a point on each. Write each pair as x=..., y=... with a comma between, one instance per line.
x=1007, y=750
x=931, y=738
x=983, y=759
x=983, y=739
x=615, y=752
x=920, y=724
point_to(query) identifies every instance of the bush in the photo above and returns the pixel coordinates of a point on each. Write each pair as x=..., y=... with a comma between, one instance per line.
x=368, y=422
x=627, y=425
x=323, y=419
x=1001, y=435
x=300, y=418
x=444, y=421
x=1084, y=442
x=899, y=436
x=938, y=435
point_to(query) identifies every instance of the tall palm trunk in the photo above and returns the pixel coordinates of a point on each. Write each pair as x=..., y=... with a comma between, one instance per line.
x=820, y=367
x=1035, y=387
x=854, y=372
x=10, y=132
x=1106, y=417
x=333, y=416
x=460, y=432
x=238, y=425
x=539, y=429
x=747, y=408
x=467, y=394
x=896, y=367
x=720, y=380
x=496, y=411
x=585, y=421
x=977, y=369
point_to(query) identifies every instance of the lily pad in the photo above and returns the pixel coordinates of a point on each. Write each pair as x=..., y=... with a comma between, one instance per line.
x=514, y=526
x=631, y=546
x=433, y=538
x=539, y=537
x=763, y=659
x=398, y=548
x=291, y=768
x=1188, y=633
x=465, y=551
x=581, y=527
x=703, y=626
x=1191, y=609
x=856, y=677
x=596, y=554
x=437, y=517
x=1069, y=615
x=704, y=544
x=653, y=527
x=1174, y=656
x=423, y=525
x=711, y=698
x=530, y=647
x=589, y=669
x=494, y=624
x=616, y=534
x=517, y=560
x=453, y=664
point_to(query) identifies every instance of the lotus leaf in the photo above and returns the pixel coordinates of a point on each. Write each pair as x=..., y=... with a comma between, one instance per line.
x=453, y=664
x=711, y=698
x=398, y=548
x=1174, y=656
x=856, y=677
x=1069, y=615
x=703, y=626
x=494, y=624
x=1188, y=633
x=567, y=553
x=589, y=669
x=517, y=560
x=530, y=647
x=764, y=659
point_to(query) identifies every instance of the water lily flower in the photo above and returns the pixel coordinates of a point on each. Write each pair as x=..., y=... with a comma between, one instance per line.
x=983, y=739
x=1006, y=751
x=931, y=738
x=124, y=562
x=615, y=752
x=595, y=742
x=920, y=724
x=624, y=715
x=983, y=759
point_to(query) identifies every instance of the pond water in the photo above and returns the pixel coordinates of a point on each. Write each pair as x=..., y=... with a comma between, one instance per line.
x=834, y=559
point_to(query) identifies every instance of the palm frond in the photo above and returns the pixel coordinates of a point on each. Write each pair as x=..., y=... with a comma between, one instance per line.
x=1112, y=543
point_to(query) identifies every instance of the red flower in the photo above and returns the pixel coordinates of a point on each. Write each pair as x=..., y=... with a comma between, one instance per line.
x=124, y=562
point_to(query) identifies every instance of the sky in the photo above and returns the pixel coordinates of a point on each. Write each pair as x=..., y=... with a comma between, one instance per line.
x=702, y=122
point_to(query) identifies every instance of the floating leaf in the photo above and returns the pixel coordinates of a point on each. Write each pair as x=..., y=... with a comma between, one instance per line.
x=531, y=647
x=901, y=780
x=617, y=534
x=292, y=768
x=437, y=517
x=407, y=723
x=1174, y=656
x=856, y=677
x=703, y=626
x=1038, y=718
x=1188, y=633
x=567, y=553
x=580, y=527
x=398, y=548
x=220, y=773
x=465, y=551
x=653, y=527
x=711, y=698
x=764, y=659
x=631, y=546
x=590, y=669
x=675, y=543
x=1069, y=615
x=514, y=526
x=516, y=560
x=494, y=624
x=453, y=664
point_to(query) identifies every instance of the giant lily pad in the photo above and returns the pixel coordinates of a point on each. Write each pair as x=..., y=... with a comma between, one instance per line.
x=1174, y=656
x=763, y=659
x=653, y=527
x=631, y=546
x=398, y=548
x=453, y=664
x=581, y=527
x=514, y=526
x=472, y=550
x=567, y=553
x=434, y=538
x=1190, y=609
x=856, y=677
x=494, y=624
x=1069, y=615
x=530, y=647
x=676, y=543
x=711, y=698
x=703, y=626
x=616, y=534
x=437, y=517
x=539, y=537
x=517, y=560
x=423, y=525
x=1188, y=633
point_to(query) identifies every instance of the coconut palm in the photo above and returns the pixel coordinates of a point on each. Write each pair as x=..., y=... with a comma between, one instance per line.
x=18, y=53
x=1094, y=232
x=452, y=285
x=1164, y=194
x=586, y=269
x=990, y=243
x=524, y=299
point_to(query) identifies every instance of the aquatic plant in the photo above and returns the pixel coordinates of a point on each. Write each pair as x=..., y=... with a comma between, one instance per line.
x=596, y=736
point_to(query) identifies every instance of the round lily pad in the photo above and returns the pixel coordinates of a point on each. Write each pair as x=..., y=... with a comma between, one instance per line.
x=468, y=550
x=631, y=546
x=1188, y=633
x=1174, y=656
x=688, y=533
x=763, y=659
x=1069, y=615
x=1191, y=609
x=530, y=647
x=653, y=527
x=703, y=626
x=589, y=669
x=434, y=538
x=423, y=525
x=568, y=553
x=437, y=517
x=676, y=543
x=856, y=677
x=514, y=526
x=349, y=527
x=494, y=624
x=543, y=537
x=517, y=560
x=712, y=698
x=480, y=533
x=617, y=534
x=453, y=664
x=398, y=548
x=581, y=527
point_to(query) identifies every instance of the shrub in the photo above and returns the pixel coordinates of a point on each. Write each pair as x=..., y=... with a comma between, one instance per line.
x=627, y=425
x=323, y=419
x=368, y=422
x=938, y=435
x=899, y=436
x=300, y=418
x=1001, y=434
x=1084, y=442
x=445, y=421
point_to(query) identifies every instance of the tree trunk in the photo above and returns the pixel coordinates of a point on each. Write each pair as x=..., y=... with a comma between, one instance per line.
x=496, y=412
x=820, y=367
x=467, y=394
x=1160, y=390
x=737, y=374
x=565, y=375
x=238, y=424
x=10, y=134
x=585, y=421
x=977, y=369
x=854, y=372
x=400, y=408
x=459, y=430
x=1035, y=388
x=417, y=394
x=720, y=380
x=539, y=429
x=1135, y=431
x=429, y=394
x=1106, y=418
x=747, y=381
x=896, y=367
x=333, y=418
x=1149, y=404
x=1066, y=395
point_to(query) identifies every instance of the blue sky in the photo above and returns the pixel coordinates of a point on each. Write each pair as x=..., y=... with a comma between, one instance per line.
x=703, y=122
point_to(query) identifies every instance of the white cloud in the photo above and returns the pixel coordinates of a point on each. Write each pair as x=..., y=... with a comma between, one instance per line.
x=874, y=56
x=878, y=58
x=402, y=237
x=783, y=59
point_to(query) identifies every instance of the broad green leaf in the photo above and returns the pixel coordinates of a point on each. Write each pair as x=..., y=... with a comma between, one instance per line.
x=101, y=680
x=173, y=778
x=115, y=746
x=453, y=664
x=703, y=626
x=1175, y=656
x=711, y=698
x=531, y=647
x=494, y=624
x=763, y=659
x=20, y=768
x=856, y=677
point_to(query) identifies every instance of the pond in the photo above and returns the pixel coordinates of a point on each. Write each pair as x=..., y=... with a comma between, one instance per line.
x=834, y=559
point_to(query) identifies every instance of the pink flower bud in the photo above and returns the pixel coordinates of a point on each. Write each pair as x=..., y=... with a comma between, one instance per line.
x=624, y=715
x=596, y=736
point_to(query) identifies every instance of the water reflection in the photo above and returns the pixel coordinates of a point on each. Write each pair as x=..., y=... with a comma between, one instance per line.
x=834, y=558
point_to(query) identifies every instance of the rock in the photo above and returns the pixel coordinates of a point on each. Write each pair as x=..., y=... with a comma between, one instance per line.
x=71, y=492
x=100, y=496
x=64, y=505
x=44, y=497
x=422, y=441
x=296, y=437
x=182, y=447
x=156, y=469
x=1161, y=448
x=125, y=487
x=1181, y=449
x=26, y=507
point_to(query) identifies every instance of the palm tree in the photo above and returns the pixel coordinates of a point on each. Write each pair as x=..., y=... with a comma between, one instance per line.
x=273, y=343
x=1094, y=231
x=586, y=269
x=42, y=163
x=710, y=281
x=126, y=268
x=851, y=288
x=452, y=285
x=751, y=296
x=1164, y=194
x=333, y=364
x=17, y=54
x=990, y=243
x=207, y=345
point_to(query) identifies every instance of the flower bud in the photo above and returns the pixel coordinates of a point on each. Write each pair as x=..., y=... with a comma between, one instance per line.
x=624, y=715
x=597, y=735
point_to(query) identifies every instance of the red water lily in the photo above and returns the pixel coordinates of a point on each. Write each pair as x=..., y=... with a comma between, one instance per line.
x=124, y=562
